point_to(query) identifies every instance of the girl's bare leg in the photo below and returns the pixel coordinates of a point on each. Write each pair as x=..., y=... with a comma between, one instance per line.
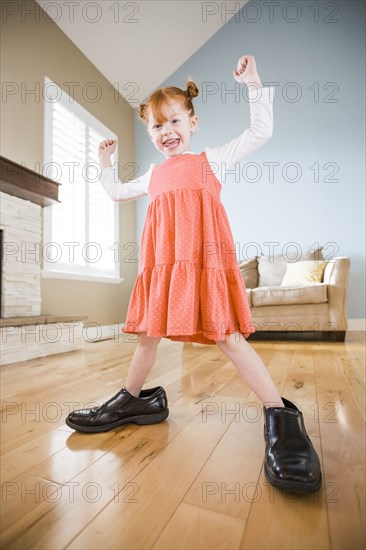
x=142, y=362
x=251, y=368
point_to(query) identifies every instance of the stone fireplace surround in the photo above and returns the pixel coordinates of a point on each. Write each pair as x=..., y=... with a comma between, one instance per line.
x=24, y=332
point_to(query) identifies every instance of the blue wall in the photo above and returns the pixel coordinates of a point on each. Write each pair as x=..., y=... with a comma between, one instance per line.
x=319, y=119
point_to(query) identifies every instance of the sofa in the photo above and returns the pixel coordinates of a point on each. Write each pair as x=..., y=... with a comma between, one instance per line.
x=294, y=297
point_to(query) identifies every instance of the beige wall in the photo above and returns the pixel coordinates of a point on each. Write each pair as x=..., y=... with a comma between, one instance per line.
x=29, y=52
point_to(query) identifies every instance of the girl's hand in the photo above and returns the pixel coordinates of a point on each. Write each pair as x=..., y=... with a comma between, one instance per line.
x=105, y=150
x=246, y=70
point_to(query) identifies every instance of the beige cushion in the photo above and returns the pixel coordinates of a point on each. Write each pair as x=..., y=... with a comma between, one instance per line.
x=304, y=273
x=249, y=271
x=284, y=295
x=272, y=269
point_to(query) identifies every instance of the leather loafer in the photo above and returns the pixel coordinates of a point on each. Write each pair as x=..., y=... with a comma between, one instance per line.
x=150, y=407
x=291, y=462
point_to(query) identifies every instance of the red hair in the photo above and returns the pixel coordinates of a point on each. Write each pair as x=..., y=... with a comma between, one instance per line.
x=161, y=96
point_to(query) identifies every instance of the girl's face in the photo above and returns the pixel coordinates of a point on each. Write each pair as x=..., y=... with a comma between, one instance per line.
x=173, y=136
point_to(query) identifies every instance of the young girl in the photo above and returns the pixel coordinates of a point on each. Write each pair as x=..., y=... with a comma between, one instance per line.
x=189, y=287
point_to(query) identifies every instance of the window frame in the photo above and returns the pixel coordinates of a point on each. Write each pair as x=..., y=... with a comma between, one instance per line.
x=69, y=270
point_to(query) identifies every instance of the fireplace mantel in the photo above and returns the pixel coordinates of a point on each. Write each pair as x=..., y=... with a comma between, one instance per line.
x=26, y=184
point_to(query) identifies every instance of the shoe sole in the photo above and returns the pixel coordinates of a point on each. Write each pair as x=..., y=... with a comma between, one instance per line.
x=292, y=486
x=141, y=420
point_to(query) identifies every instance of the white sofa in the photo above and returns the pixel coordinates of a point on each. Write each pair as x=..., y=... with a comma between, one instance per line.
x=312, y=311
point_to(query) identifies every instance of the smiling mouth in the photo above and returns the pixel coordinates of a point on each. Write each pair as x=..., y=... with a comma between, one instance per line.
x=170, y=142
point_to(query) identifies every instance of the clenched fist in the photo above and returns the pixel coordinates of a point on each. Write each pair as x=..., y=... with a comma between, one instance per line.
x=105, y=150
x=246, y=71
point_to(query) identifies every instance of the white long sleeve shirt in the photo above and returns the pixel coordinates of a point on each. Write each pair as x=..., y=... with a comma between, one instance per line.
x=220, y=158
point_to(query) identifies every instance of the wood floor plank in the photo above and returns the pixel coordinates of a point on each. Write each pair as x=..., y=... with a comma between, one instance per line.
x=48, y=524
x=24, y=457
x=186, y=482
x=229, y=480
x=21, y=495
x=342, y=432
x=194, y=527
x=53, y=524
x=60, y=515
x=353, y=370
x=29, y=414
x=60, y=467
x=157, y=501
x=292, y=521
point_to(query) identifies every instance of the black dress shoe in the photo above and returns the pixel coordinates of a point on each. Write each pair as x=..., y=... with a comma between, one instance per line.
x=291, y=462
x=150, y=407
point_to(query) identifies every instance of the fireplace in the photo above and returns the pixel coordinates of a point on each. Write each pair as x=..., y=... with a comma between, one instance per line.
x=23, y=194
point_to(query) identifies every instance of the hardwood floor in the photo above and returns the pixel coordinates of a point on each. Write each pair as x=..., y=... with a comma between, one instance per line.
x=195, y=480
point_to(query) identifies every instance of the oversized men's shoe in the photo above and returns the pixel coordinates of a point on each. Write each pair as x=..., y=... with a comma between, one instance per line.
x=150, y=407
x=290, y=462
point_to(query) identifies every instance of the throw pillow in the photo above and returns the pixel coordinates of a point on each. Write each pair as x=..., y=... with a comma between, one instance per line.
x=249, y=271
x=272, y=269
x=304, y=273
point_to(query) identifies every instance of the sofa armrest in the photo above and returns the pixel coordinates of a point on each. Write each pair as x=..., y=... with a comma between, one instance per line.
x=336, y=275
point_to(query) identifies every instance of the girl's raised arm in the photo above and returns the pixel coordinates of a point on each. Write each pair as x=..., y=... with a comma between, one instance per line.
x=261, y=129
x=118, y=191
x=125, y=192
x=261, y=120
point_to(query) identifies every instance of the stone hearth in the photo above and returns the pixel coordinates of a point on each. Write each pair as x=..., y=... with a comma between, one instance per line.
x=25, y=333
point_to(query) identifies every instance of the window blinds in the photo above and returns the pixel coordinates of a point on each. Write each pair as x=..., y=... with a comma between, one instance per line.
x=82, y=231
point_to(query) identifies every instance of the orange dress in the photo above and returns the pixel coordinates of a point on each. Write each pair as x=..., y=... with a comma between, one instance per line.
x=189, y=287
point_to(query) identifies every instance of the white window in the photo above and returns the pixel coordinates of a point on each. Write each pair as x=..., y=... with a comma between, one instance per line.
x=81, y=234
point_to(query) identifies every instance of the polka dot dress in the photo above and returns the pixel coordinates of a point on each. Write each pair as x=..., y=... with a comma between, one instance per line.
x=189, y=287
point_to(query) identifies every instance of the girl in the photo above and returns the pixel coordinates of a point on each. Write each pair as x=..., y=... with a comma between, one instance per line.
x=189, y=287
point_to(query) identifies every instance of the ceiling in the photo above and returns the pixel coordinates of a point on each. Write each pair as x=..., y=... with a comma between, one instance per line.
x=137, y=45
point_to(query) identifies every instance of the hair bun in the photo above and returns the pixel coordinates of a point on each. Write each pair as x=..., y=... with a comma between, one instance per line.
x=192, y=90
x=141, y=109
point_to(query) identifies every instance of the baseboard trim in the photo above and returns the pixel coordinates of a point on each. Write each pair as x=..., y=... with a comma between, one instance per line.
x=357, y=324
x=96, y=333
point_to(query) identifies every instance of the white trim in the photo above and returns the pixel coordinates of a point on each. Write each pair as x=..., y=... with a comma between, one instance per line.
x=80, y=277
x=97, y=333
x=56, y=93
x=357, y=324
